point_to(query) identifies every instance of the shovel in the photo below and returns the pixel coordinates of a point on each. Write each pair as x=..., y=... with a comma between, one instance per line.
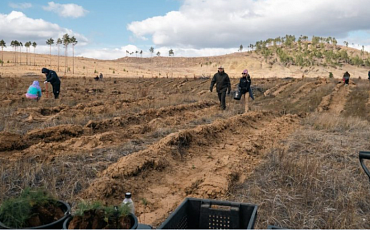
x=47, y=91
x=364, y=155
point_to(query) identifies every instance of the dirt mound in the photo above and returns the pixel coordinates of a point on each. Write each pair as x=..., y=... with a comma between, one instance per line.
x=10, y=141
x=57, y=133
x=146, y=116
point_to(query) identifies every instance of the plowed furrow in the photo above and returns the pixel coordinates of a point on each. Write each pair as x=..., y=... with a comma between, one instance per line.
x=201, y=162
x=271, y=91
x=71, y=139
x=305, y=89
x=334, y=103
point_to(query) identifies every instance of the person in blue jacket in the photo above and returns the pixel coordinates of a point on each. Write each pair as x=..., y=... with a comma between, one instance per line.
x=34, y=91
x=245, y=87
x=53, y=78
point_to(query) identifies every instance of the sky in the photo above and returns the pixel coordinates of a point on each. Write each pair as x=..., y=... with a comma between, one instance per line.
x=108, y=29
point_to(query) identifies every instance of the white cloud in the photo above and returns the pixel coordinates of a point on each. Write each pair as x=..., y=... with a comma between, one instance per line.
x=17, y=26
x=24, y=5
x=229, y=23
x=66, y=10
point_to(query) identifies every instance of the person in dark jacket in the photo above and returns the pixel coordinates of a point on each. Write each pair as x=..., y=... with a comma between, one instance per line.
x=222, y=81
x=346, y=78
x=245, y=86
x=368, y=74
x=54, y=80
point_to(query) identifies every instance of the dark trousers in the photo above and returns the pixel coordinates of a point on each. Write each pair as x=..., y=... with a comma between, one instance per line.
x=56, y=89
x=346, y=81
x=222, y=98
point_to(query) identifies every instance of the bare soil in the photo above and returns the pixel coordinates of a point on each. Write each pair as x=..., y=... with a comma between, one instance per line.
x=162, y=139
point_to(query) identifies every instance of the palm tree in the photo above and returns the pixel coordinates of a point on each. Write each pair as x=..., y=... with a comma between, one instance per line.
x=136, y=52
x=20, y=52
x=34, y=44
x=158, y=53
x=151, y=51
x=66, y=41
x=141, y=53
x=49, y=42
x=241, y=48
x=127, y=52
x=59, y=41
x=73, y=41
x=2, y=44
x=27, y=45
x=13, y=44
x=171, y=53
x=16, y=44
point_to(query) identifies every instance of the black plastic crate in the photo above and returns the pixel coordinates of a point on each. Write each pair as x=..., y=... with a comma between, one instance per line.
x=196, y=213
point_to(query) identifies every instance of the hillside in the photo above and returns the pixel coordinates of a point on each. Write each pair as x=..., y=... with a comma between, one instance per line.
x=271, y=58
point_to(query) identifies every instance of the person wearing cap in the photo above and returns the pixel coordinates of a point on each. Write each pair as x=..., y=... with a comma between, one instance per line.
x=245, y=86
x=222, y=81
x=34, y=91
x=54, y=80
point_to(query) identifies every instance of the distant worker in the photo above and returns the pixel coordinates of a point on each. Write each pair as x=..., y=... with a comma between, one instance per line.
x=101, y=77
x=368, y=74
x=54, y=80
x=222, y=81
x=96, y=78
x=34, y=91
x=245, y=86
x=346, y=77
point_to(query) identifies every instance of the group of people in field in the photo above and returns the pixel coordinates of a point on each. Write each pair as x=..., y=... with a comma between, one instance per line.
x=220, y=79
x=34, y=90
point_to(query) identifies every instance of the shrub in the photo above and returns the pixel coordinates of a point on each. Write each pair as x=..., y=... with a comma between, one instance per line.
x=331, y=75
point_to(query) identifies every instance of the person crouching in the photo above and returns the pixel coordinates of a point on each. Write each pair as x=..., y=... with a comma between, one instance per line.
x=34, y=91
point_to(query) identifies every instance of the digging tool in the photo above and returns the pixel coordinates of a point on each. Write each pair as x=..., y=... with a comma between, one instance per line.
x=47, y=91
x=364, y=155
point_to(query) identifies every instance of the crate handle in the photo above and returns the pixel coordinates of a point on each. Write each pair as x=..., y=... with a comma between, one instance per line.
x=364, y=155
x=221, y=207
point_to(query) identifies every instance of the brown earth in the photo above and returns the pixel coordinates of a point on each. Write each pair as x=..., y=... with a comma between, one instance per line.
x=163, y=139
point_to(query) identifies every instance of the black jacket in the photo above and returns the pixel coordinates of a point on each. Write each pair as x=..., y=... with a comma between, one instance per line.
x=245, y=84
x=222, y=82
x=51, y=76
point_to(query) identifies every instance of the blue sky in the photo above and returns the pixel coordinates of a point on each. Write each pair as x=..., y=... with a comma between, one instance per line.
x=106, y=29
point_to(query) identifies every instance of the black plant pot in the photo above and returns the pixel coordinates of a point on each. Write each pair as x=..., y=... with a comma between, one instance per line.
x=132, y=216
x=58, y=224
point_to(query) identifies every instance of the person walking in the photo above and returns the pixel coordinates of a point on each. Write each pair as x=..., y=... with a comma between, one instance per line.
x=54, y=80
x=346, y=77
x=245, y=86
x=222, y=81
x=34, y=91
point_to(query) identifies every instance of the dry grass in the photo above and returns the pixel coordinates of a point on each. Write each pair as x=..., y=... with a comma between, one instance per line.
x=314, y=180
x=356, y=105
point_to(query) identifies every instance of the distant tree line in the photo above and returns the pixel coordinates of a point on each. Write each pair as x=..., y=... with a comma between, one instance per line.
x=66, y=40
